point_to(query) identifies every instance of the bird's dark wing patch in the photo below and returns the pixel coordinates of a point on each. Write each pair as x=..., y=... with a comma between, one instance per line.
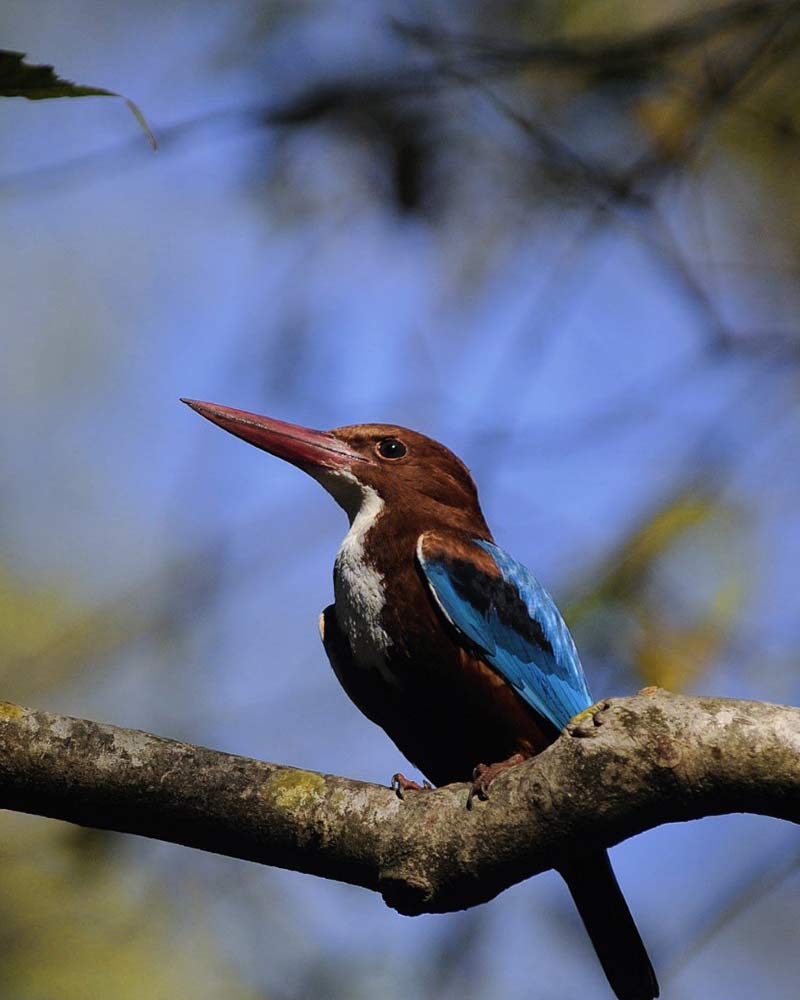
x=498, y=606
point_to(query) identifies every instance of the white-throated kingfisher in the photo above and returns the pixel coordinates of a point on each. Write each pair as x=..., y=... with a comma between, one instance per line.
x=443, y=639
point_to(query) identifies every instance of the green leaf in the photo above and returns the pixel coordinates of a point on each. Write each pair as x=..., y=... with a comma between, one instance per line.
x=38, y=83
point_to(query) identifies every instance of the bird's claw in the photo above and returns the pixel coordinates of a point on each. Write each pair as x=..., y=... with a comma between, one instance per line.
x=478, y=789
x=400, y=784
x=585, y=722
x=484, y=775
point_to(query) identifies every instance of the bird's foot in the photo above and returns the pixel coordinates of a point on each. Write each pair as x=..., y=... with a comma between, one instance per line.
x=586, y=722
x=401, y=784
x=484, y=775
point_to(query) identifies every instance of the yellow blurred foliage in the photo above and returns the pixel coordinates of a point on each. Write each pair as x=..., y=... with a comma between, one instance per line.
x=672, y=657
x=47, y=637
x=668, y=119
x=29, y=615
x=670, y=641
x=75, y=927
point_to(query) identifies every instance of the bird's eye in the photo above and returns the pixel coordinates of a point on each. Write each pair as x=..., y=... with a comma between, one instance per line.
x=391, y=448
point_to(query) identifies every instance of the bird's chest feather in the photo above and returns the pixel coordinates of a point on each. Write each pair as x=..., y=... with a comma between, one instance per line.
x=360, y=594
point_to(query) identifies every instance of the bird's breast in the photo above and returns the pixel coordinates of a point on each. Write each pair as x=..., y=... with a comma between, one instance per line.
x=360, y=596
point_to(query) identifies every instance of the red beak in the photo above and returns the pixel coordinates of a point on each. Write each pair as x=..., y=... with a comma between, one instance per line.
x=301, y=446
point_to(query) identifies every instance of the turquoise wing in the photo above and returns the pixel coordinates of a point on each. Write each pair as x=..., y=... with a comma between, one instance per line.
x=498, y=606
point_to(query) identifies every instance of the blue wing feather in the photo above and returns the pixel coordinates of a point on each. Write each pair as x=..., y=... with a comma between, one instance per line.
x=514, y=623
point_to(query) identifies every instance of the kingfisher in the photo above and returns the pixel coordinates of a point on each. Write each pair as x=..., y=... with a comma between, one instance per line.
x=442, y=638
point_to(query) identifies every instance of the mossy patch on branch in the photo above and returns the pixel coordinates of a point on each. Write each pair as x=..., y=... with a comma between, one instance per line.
x=292, y=788
x=10, y=711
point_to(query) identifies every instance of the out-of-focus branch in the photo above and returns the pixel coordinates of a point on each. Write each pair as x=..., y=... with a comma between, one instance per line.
x=600, y=53
x=623, y=767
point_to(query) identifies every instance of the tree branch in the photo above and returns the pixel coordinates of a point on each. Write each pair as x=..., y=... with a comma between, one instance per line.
x=623, y=767
x=638, y=50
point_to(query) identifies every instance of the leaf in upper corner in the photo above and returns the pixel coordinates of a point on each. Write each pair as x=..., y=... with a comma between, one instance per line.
x=19, y=79
x=39, y=83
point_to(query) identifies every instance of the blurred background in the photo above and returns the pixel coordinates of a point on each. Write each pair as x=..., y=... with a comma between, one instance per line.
x=560, y=237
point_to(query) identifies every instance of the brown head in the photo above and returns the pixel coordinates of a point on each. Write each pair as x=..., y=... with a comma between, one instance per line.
x=417, y=478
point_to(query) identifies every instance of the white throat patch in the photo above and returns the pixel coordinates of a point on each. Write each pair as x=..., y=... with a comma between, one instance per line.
x=359, y=588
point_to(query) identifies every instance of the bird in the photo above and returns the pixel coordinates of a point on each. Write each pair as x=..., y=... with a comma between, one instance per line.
x=442, y=638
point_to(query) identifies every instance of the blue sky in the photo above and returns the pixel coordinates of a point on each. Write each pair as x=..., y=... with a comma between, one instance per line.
x=272, y=274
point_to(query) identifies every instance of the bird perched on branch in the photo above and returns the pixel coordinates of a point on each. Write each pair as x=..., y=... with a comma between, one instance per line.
x=442, y=638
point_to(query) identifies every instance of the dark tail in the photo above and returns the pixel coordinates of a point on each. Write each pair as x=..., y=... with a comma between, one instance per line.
x=610, y=926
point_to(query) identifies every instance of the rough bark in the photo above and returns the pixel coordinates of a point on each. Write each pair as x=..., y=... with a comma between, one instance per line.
x=620, y=768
